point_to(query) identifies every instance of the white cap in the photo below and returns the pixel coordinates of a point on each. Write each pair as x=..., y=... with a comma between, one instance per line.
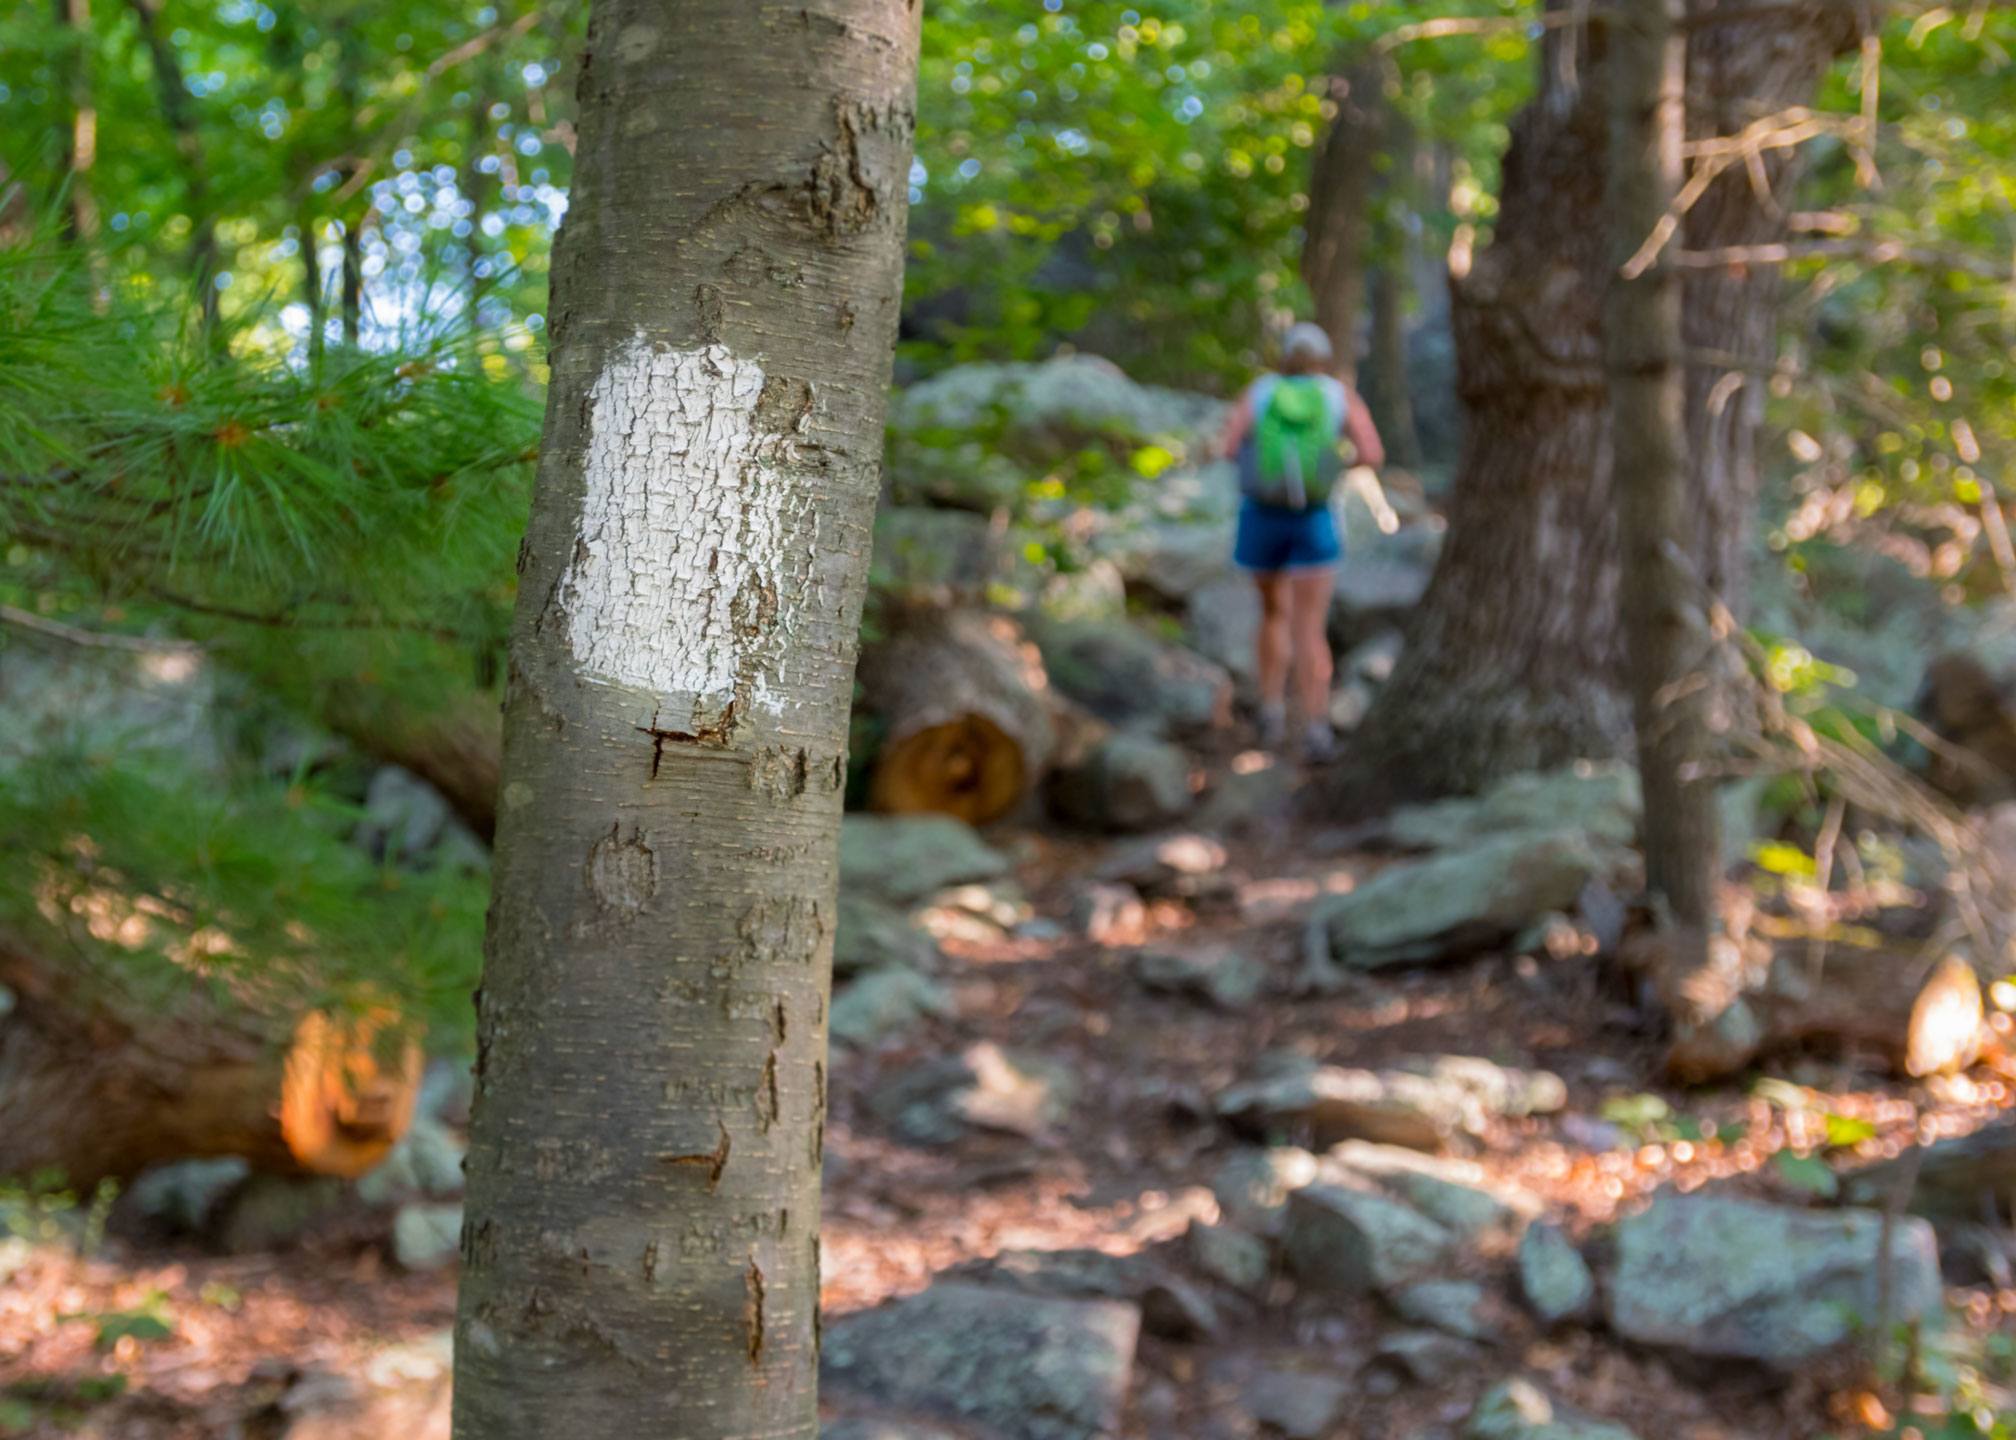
x=1306, y=341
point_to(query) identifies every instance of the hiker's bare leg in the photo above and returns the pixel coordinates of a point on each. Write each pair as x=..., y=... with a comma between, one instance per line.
x=1275, y=640
x=1309, y=636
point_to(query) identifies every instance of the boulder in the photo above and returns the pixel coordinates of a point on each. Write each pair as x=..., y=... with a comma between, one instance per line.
x=869, y=935
x=1601, y=801
x=183, y=1197
x=1737, y=1279
x=1046, y=410
x=901, y=859
x=1374, y=593
x=884, y=1003
x=404, y=816
x=1171, y=1307
x=1177, y=561
x=1230, y=1256
x=1222, y=623
x=1455, y=1193
x=986, y=1088
x=1421, y=1107
x=1553, y=1276
x=946, y=557
x=427, y=1237
x=1353, y=1242
x=1461, y=1308
x=1216, y=974
x=1125, y=782
x=1128, y=678
x=276, y=1212
x=1299, y=1404
x=1427, y=1357
x=1024, y=1367
x=1252, y=1186
x=1520, y=1410
x=1449, y=905
x=427, y=1161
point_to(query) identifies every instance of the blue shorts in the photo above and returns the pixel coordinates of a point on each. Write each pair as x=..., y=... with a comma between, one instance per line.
x=1272, y=539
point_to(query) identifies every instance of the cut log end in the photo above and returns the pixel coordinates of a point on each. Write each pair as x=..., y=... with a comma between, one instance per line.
x=968, y=767
x=1945, y=1029
x=348, y=1092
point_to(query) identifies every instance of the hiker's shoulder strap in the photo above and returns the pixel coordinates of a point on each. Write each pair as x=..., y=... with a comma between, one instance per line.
x=1339, y=396
x=1259, y=394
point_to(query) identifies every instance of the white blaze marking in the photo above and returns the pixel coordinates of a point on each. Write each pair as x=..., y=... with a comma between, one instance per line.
x=679, y=572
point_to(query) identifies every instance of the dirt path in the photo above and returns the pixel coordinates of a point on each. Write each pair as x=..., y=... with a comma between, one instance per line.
x=1128, y=1167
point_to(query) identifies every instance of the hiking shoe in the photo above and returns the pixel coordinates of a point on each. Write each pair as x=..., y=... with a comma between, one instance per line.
x=1319, y=743
x=1273, y=726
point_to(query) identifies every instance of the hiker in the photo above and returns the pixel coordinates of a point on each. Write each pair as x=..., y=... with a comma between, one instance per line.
x=1284, y=431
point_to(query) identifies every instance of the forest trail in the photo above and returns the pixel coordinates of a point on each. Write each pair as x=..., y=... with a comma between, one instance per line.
x=1106, y=1138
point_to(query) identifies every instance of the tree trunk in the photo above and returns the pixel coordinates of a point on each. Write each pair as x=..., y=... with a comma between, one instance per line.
x=1515, y=659
x=965, y=710
x=1667, y=643
x=80, y=134
x=1385, y=388
x=96, y=1084
x=641, y=1250
x=1340, y=196
x=1969, y=1178
x=172, y=94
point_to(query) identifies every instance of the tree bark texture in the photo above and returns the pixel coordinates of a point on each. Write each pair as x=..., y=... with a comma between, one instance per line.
x=97, y=1084
x=172, y=94
x=1340, y=214
x=80, y=132
x=965, y=707
x=1667, y=644
x=1516, y=658
x=641, y=1250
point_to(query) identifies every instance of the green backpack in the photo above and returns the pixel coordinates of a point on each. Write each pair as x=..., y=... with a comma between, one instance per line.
x=1294, y=462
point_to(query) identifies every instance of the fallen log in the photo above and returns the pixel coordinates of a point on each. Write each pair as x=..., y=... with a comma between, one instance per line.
x=1922, y=1015
x=98, y=1082
x=1969, y=1178
x=964, y=704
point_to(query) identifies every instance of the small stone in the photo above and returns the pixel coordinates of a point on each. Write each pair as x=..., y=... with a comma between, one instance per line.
x=1352, y=1242
x=1299, y=1404
x=985, y=1088
x=1520, y=1410
x=1156, y=863
x=1427, y=1357
x=1456, y=1307
x=1553, y=1276
x=1174, y=1309
x=275, y=1212
x=426, y=1161
x=881, y=1004
x=1219, y=975
x=1252, y=1186
x=1455, y=1193
x=427, y=1237
x=1107, y=914
x=1230, y=1256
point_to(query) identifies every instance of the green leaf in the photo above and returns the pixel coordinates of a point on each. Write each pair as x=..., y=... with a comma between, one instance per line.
x=1808, y=1173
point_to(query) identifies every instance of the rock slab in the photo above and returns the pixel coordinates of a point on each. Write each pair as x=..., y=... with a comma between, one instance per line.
x=1736, y=1279
x=1025, y=1367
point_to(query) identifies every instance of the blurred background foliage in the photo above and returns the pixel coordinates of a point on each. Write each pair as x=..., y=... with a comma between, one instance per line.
x=272, y=280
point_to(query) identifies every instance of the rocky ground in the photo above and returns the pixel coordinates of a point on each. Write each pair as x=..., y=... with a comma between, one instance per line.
x=1247, y=1129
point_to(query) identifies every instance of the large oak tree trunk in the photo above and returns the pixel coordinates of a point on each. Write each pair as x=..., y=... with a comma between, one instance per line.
x=1516, y=657
x=641, y=1250
x=97, y=1083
